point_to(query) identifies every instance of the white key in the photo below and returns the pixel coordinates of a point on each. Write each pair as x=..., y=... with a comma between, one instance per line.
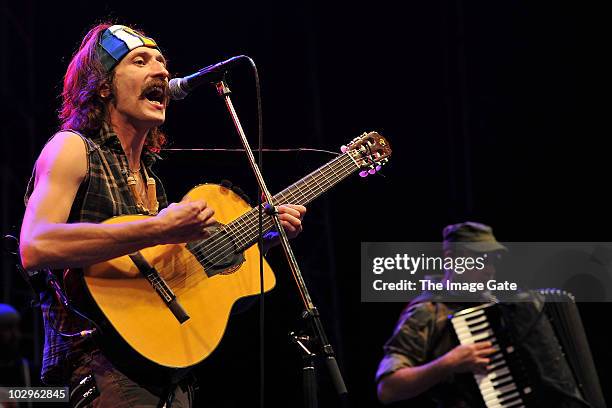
x=483, y=335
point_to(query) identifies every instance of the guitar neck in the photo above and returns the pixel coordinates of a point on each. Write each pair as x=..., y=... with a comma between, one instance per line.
x=246, y=227
x=368, y=151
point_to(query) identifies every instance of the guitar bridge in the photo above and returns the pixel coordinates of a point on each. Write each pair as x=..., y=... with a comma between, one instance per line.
x=161, y=287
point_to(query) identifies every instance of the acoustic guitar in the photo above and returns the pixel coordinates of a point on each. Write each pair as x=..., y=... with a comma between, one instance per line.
x=171, y=303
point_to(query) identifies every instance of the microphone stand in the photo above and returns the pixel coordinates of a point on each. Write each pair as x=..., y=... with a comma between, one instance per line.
x=311, y=313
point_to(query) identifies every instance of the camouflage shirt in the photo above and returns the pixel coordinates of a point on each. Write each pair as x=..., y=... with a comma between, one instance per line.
x=424, y=333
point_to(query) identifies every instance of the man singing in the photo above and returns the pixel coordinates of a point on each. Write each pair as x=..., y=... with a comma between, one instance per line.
x=98, y=166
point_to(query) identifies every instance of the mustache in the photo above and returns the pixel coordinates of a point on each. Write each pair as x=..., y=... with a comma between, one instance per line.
x=157, y=84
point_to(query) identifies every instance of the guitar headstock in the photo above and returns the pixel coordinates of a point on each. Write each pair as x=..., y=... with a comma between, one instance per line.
x=370, y=151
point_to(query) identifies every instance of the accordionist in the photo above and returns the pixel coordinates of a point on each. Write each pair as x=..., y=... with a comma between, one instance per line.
x=435, y=360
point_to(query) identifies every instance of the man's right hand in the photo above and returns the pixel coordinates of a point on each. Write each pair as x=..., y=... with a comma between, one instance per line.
x=185, y=222
x=470, y=357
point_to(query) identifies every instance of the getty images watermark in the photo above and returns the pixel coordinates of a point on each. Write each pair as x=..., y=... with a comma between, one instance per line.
x=452, y=266
x=401, y=271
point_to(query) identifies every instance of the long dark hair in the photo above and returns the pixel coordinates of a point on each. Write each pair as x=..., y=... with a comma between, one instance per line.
x=83, y=108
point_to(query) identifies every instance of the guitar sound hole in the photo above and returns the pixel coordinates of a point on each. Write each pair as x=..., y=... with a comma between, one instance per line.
x=217, y=254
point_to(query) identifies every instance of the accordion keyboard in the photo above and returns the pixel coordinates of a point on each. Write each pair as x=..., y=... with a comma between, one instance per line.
x=505, y=384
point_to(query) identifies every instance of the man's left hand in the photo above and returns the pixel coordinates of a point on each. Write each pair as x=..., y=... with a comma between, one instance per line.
x=291, y=217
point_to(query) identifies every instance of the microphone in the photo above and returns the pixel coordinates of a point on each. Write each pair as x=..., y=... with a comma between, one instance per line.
x=180, y=87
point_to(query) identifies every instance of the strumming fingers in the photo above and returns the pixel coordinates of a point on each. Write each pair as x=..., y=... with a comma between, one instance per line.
x=200, y=205
x=206, y=214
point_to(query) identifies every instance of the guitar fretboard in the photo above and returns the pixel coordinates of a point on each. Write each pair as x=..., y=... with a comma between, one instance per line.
x=244, y=230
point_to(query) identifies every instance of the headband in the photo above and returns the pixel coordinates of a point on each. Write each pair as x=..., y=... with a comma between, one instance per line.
x=117, y=41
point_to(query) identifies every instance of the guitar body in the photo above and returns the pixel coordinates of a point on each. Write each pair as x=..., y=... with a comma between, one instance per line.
x=139, y=315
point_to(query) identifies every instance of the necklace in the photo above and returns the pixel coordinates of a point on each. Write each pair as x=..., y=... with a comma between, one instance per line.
x=152, y=205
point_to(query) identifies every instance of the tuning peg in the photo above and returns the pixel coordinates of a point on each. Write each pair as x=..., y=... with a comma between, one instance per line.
x=343, y=148
x=363, y=173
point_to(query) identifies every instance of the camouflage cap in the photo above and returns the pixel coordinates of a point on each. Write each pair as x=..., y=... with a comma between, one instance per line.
x=474, y=236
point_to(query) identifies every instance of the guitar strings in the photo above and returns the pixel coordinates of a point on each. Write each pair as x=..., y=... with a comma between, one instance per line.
x=249, y=218
x=335, y=171
x=338, y=172
x=252, y=223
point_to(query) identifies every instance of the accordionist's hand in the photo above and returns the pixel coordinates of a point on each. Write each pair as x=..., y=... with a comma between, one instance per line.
x=470, y=357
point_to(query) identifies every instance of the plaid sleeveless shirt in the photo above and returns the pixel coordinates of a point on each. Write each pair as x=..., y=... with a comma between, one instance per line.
x=103, y=194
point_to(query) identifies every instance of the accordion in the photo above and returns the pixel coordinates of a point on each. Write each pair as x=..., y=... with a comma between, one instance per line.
x=542, y=359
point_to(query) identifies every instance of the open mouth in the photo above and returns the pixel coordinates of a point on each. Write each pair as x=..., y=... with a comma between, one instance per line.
x=156, y=95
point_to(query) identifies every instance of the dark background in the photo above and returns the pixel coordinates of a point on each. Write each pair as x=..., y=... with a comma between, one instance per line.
x=496, y=112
